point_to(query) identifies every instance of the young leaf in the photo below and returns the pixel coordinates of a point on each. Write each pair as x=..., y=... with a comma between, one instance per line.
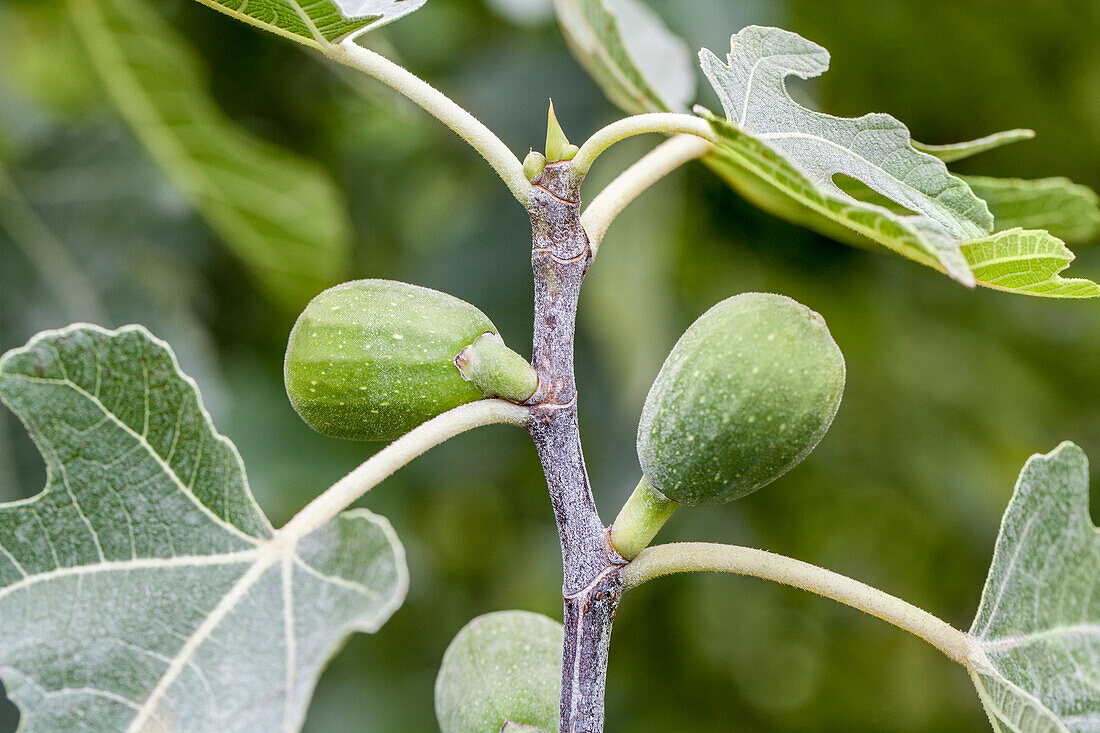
x=637, y=61
x=765, y=178
x=143, y=589
x=1066, y=209
x=1038, y=625
x=502, y=671
x=958, y=151
x=316, y=23
x=281, y=214
x=875, y=149
x=1028, y=262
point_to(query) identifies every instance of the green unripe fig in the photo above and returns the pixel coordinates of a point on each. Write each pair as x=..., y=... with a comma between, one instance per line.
x=501, y=674
x=372, y=359
x=745, y=394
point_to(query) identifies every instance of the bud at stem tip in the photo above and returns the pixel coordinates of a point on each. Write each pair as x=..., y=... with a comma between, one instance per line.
x=558, y=147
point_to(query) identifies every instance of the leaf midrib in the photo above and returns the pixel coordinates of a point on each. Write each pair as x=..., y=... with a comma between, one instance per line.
x=856, y=156
x=1016, y=641
x=266, y=26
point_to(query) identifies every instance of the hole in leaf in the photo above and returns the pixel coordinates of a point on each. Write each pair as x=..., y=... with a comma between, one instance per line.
x=805, y=92
x=860, y=191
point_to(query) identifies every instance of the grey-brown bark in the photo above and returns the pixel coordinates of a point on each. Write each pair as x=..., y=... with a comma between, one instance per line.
x=592, y=586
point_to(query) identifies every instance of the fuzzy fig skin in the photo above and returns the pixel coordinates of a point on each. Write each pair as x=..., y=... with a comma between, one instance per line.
x=746, y=393
x=372, y=359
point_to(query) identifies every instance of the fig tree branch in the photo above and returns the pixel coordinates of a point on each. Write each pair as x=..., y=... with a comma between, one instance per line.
x=560, y=255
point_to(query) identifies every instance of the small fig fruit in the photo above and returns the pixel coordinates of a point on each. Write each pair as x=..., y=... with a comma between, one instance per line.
x=501, y=674
x=745, y=394
x=372, y=359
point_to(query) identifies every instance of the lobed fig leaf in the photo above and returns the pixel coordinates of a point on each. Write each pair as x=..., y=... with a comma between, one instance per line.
x=317, y=23
x=865, y=178
x=143, y=589
x=639, y=63
x=746, y=393
x=1037, y=630
x=765, y=131
x=372, y=359
x=281, y=214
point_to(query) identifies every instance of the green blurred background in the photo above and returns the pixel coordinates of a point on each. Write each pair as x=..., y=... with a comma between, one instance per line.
x=949, y=390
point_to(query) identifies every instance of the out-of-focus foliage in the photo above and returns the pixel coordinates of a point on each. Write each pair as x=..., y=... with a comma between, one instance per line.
x=630, y=53
x=277, y=211
x=949, y=390
x=1066, y=209
x=144, y=588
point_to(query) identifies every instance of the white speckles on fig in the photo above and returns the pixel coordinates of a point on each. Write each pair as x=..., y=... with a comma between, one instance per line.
x=724, y=417
x=362, y=364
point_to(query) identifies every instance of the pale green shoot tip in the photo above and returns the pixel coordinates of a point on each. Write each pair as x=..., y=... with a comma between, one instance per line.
x=558, y=147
